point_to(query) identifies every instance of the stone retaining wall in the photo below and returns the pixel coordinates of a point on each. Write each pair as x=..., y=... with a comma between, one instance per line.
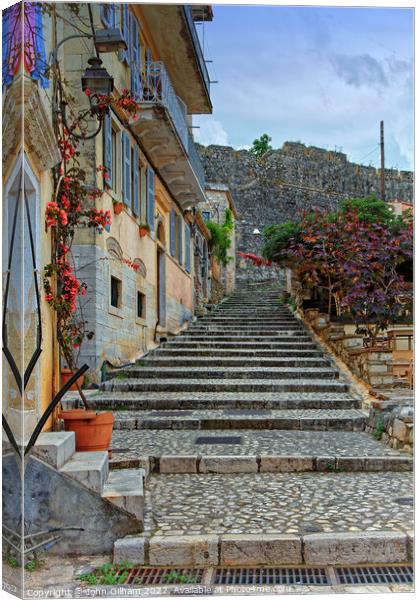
x=372, y=365
x=392, y=424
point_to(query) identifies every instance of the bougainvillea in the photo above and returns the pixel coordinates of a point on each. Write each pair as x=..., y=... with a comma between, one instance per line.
x=354, y=257
x=257, y=261
x=74, y=206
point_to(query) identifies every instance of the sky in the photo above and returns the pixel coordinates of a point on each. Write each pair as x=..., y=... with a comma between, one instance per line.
x=323, y=76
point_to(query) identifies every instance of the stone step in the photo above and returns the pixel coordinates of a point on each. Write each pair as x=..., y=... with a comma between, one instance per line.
x=240, y=338
x=55, y=447
x=218, y=361
x=243, y=319
x=125, y=489
x=221, y=400
x=89, y=468
x=259, y=451
x=210, y=343
x=300, y=419
x=225, y=385
x=248, y=330
x=231, y=373
x=274, y=519
x=166, y=351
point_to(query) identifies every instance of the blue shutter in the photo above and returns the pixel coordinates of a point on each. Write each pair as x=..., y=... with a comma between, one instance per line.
x=108, y=15
x=108, y=156
x=135, y=57
x=172, y=232
x=150, y=206
x=125, y=54
x=136, y=186
x=180, y=240
x=187, y=248
x=126, y=169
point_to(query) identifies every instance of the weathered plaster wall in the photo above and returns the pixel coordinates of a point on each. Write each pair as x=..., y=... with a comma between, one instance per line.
x=262, y=198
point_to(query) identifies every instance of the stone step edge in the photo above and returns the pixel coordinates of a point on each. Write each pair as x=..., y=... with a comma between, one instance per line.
x=232, y=464
x=350, y=423
x=242, y=550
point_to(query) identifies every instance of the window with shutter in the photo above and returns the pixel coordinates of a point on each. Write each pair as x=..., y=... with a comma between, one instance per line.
x=150, y=206
x=180, y=240
x=136, y=183
x=108, y=156
x=108, y=15
x=126, y=169
x=135, y=62
x=125, y=54
x=172, y=232
x=187, y=248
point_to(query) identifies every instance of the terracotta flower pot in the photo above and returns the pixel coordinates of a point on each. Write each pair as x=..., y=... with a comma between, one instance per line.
x=118, y=207
x=93, y=430
x=143, y=231
x=66, y=374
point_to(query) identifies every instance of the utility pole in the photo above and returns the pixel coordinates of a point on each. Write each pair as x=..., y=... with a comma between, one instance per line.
x=382, y=163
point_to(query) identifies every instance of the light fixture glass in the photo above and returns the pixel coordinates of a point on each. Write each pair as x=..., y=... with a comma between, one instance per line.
x=97, y=79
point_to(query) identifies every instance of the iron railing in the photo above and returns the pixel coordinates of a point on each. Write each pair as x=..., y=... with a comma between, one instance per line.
x=195, y=161
x=157, y=89
x=197, y=46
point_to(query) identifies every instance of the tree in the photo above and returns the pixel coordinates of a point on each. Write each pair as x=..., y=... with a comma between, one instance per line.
x=261, y=145
x=354, y=253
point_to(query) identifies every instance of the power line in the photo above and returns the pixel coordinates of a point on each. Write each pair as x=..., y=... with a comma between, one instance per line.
x=368, y=154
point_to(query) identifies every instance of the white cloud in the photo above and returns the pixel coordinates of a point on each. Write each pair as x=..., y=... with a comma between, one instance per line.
x=210, y=132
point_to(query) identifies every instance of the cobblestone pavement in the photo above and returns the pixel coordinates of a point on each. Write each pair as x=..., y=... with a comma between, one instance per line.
x=260, y=443
x=278, y=503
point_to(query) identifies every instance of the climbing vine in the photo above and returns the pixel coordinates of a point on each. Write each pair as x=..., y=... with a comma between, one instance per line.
x=221, y=238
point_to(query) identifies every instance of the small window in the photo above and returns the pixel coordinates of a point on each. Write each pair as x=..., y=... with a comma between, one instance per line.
x=206, y=215
x=115, y=292
x=141, y=305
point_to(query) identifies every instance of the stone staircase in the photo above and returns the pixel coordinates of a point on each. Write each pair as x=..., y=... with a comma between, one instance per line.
x=254, y=449
x=75, y=494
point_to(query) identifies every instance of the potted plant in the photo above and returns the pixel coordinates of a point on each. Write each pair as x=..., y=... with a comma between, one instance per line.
x=93, y=430
x=144, y=229
x=66, y=374
x=118, y=207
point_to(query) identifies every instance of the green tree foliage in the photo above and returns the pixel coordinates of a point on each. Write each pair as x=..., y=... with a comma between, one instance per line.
x=261, y=146
x=221, y=238
x=277, y=237
x=369, y=209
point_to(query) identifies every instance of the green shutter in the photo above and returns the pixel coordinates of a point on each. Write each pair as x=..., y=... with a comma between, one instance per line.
x=172, y=232
x=136, y=182
x=135, y=56
x=125, y=54
x=180, y=221
x=108, y=150
x=150, y=206
x=126, y=169
x=187, y=248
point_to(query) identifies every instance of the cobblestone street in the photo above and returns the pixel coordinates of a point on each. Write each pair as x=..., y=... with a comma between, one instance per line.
x=242, y=435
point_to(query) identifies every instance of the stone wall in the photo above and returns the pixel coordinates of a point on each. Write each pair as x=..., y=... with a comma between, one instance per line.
x=289, y=179
x=393, y=424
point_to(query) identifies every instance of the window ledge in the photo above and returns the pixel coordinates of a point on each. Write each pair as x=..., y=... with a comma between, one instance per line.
x=116, y=312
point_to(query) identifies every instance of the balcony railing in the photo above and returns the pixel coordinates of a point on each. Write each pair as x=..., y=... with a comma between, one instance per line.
x=195, y=161
x=157, y=89
x=197, y=46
